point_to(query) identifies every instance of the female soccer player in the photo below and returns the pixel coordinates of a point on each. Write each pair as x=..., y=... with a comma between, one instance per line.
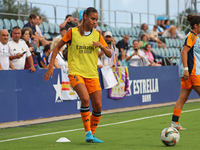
x=84, y=43
x=189, y=70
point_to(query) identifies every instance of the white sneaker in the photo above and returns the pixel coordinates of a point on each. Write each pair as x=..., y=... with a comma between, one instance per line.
x=181, y=36
x=172, y=59
x=177, y=126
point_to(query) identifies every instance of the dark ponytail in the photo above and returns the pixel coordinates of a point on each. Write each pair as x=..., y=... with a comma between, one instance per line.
x=193, y=20
x=86, y=12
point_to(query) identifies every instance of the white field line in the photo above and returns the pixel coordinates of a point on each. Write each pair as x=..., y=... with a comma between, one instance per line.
x=14, y=139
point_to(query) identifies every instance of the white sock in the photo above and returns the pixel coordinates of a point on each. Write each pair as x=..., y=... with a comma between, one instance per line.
x=86, y=132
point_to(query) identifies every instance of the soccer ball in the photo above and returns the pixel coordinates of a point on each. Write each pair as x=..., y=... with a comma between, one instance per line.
x=170, y=136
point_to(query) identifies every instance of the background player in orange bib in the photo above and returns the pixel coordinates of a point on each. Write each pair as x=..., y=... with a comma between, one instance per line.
x=189, y=68
x=84, y=43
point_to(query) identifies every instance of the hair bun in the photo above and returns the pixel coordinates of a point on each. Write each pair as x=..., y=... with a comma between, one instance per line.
x=190, y=17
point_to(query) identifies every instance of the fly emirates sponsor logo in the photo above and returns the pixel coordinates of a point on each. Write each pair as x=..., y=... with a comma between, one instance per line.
x=145, y=87
x=85, y=49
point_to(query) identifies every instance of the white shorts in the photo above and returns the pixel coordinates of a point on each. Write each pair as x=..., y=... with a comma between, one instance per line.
x=166, y=34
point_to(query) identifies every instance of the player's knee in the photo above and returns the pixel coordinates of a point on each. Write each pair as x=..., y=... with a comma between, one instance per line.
x=97, y=107
x=85, y=100
x=173, y=27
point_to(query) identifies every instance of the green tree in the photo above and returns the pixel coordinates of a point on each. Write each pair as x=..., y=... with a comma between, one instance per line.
x=8, y=7
x=75, y=14
x=185, y=26
x=11, y=7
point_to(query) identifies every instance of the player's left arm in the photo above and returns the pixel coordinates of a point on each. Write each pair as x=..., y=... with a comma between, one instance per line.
x=103, y=46
x=189, y=43
x=184, y=60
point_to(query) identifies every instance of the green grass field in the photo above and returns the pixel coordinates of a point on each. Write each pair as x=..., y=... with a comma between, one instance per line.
x=119, y=131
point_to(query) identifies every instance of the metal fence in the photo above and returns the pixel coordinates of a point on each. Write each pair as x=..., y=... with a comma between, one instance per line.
x=114, y=18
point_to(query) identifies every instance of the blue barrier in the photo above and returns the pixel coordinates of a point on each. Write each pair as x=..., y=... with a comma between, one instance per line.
x=24, y=95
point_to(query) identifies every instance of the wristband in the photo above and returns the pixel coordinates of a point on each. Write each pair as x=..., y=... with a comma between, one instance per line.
x=186, y=68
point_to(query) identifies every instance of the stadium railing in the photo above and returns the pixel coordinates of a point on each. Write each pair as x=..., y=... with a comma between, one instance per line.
x=1, y=24
x=51, y=30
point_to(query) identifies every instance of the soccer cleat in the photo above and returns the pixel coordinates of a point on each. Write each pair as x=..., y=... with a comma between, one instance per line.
x=177, y=126
x=97, y=140
x=89, y=137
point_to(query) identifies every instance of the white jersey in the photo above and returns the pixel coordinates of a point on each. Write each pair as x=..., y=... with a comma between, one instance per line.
x=4, y=56
x=109, y=61
x=38, y=30
x=19, y=47
x=59, y=36
x=60, y=60
x=135, y=60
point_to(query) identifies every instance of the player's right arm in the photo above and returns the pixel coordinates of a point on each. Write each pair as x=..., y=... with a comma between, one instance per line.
x=65, y=39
